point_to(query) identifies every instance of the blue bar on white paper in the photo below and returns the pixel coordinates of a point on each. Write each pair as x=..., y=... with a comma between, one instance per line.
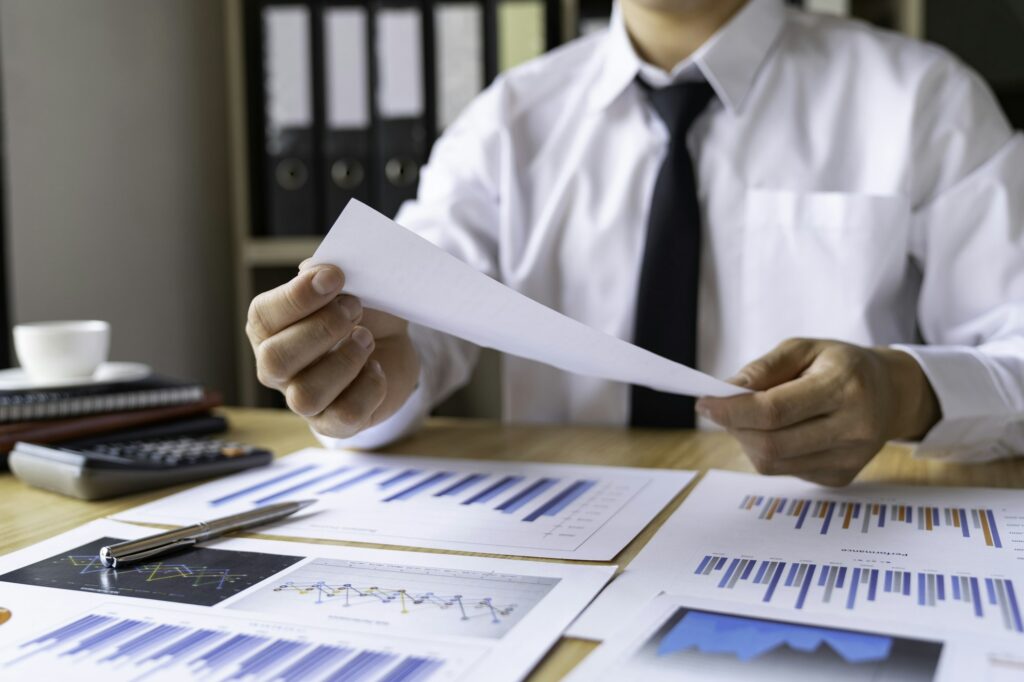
x=71, y=630
x=262, y=484
x=413, y=669
x=226, y=652
x=362, y=666
x=313, y=662
x=460, y=485
x=419, y=487
x=355, y=480
x=301, y=486
x=399, y=477
x=494, y=490
x=526, y=495
x=562, y=500
x=107, y=636
x=185, y=645
x=144, y=641
x=269, y=656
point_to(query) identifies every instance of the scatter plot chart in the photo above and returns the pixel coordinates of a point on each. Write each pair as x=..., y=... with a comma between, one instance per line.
x=406, y=599
x=195, y=576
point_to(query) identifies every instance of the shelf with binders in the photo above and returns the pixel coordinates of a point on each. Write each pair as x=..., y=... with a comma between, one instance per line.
x=345, y=97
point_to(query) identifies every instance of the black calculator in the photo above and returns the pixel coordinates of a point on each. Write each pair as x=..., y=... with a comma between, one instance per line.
x=98, y=470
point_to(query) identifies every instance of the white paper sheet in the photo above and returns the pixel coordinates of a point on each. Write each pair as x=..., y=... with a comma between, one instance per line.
x=276, y=607
x=532, y=509
x=704, y=640
x=394, y=270
x=873, y=554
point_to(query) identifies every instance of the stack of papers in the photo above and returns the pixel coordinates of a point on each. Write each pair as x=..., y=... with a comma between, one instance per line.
x=263, y=610
x=934, y=572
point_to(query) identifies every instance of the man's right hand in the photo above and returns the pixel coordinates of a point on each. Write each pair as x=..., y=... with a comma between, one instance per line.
x=340, y=366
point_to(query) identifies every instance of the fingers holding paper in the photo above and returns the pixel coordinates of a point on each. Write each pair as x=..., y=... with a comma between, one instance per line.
x=821, y=410
x=339, y=366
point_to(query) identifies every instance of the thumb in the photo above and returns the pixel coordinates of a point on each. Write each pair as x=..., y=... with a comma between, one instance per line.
x=783, y=363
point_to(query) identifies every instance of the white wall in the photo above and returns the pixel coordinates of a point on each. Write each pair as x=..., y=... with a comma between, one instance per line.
x=117, y=176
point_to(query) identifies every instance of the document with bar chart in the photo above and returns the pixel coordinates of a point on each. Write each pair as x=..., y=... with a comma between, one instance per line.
x=700, y=639
x=512, y=508
x=250, y=609
x=873, y=553
x=115, y=642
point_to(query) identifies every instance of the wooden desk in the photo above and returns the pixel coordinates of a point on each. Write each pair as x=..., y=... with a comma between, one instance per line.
x=49, y=514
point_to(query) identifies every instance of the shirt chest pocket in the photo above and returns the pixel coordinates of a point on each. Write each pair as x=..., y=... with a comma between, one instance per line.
x=819, y=263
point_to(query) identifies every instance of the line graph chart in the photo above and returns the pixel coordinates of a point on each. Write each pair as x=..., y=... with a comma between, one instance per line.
x=195, y=575
x=198, y=576
x=348, y=595
x=401, y=598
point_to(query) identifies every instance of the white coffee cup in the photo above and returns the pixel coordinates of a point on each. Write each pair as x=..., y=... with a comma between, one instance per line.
x=68, y=349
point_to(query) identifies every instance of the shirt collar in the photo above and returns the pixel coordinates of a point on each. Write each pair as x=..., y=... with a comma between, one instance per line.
x=729, y=60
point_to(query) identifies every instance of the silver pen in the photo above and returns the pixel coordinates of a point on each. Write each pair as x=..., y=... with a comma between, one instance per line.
x=113, y=556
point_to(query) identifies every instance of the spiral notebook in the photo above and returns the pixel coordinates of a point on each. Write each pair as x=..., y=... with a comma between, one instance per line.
x=154, y=391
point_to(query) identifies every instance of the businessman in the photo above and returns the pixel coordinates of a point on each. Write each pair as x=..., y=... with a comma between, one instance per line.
x=829, y=213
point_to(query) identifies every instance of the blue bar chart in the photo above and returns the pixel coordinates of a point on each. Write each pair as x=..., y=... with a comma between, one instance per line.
x=918, y=556
x=800, y=585
x=517, y=508
x=402, y=485
x=835, y=516
x=105, y=644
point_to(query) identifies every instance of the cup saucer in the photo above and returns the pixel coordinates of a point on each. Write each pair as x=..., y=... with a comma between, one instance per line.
x=17, y=379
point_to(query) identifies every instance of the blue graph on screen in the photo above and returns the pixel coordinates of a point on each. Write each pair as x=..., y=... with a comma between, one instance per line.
x=749, y=638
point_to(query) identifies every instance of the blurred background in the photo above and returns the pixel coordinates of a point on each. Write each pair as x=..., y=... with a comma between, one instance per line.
x=164, y=160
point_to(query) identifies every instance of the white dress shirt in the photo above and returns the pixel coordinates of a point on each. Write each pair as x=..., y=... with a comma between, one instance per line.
x=855, y=185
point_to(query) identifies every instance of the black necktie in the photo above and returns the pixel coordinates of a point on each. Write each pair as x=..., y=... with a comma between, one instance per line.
x=666, y=304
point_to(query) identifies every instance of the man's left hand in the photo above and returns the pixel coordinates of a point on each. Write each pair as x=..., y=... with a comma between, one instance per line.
x=822, y=409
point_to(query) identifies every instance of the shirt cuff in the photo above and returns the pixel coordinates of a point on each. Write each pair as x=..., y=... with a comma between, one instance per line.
x=403, y=422
x=975, y=414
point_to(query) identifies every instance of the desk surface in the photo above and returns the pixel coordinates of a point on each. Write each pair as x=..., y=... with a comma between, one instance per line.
x=28, y=515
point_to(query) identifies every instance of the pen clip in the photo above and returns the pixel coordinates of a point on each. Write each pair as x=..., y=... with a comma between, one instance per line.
x=150, y=551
